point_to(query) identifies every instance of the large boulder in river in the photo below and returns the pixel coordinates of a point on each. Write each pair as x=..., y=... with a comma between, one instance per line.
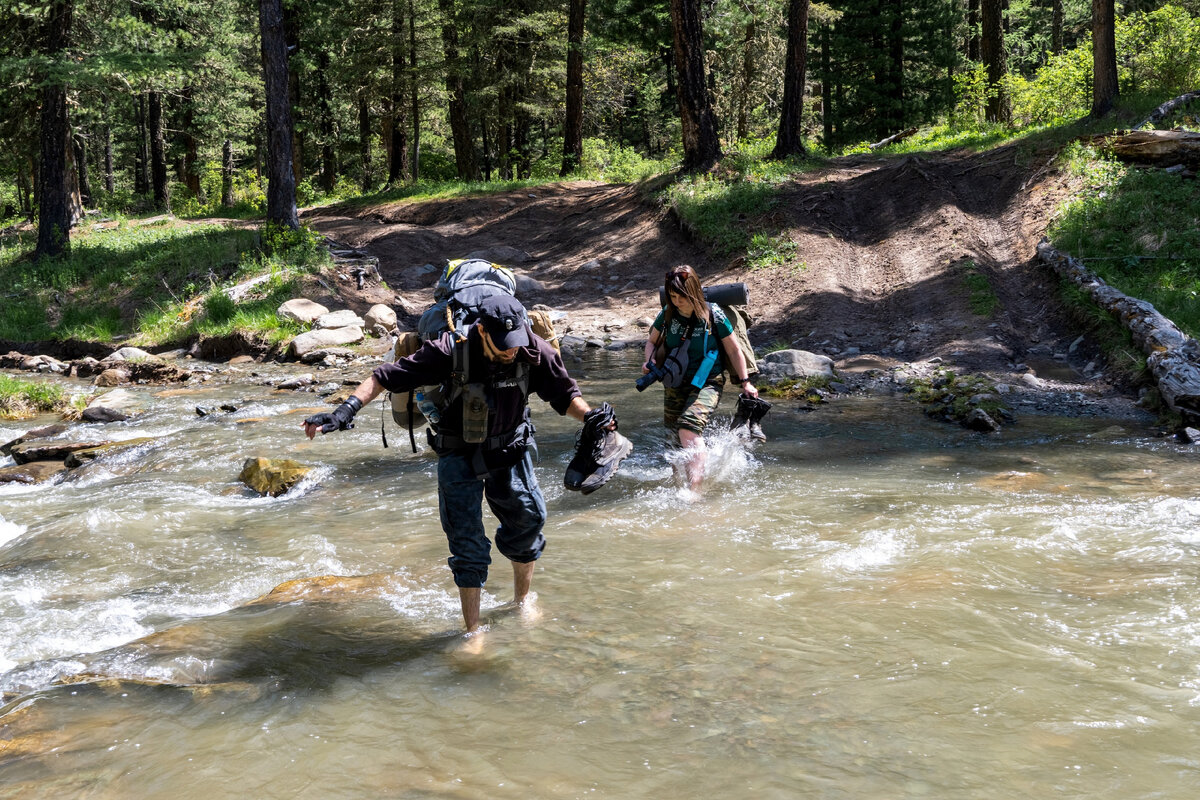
x=301, y=310
x=381, y=316
x=48, y=450
x=332, y=337
x=115, y=406
x=339, y=319
x=784, y=364
x=272, y=476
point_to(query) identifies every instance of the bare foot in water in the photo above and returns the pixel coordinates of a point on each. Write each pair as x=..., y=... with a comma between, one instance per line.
x=473, y=642
x=529, y=609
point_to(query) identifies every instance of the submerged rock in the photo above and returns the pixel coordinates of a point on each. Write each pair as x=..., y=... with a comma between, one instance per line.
x=80, y=457
x=31, y=472
x=37, y=433
x=272, y=476
x=979, y=420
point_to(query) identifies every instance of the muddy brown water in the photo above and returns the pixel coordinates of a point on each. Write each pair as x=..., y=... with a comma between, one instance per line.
x=872, y=604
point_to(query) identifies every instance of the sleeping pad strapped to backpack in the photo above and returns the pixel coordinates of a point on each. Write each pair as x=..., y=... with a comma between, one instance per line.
x=463, y=285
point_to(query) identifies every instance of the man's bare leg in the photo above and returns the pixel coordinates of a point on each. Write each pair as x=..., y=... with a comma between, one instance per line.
x=522, y=578
x=469, y=599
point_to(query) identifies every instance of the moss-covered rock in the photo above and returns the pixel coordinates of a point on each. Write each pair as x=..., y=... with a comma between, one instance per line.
x=970, y=400
x=272, y=476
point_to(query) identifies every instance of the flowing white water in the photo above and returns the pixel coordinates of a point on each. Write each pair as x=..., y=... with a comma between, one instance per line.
x=870, y=605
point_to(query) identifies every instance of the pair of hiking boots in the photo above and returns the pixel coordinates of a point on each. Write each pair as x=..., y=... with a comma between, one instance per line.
x=599, y=450
x=748, y=415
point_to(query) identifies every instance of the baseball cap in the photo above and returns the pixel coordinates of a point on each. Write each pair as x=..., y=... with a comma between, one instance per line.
x=504, y=320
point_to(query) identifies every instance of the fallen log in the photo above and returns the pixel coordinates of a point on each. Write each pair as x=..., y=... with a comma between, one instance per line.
x=1172, y=356
x=896, y=137
x=1157, y=147
x=1166, y=108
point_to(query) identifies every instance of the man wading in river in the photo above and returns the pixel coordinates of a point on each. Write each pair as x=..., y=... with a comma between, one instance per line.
x=483, y=436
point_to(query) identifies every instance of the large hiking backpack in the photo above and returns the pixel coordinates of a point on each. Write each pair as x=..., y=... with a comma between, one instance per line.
x=462, y=286
x=734, y=300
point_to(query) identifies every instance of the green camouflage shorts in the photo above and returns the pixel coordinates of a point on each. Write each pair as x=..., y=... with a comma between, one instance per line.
x=689, y=408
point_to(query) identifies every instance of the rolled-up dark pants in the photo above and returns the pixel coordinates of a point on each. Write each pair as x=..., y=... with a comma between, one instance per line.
x=513, y=496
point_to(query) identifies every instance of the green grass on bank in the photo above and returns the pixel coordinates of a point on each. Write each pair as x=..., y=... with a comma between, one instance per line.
x=22, y=399
x=150, y=284
x=1138, y=229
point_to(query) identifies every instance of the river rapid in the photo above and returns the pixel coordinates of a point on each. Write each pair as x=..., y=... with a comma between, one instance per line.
x=871, y=604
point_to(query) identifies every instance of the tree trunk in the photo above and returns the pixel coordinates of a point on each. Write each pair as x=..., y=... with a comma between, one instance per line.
x=1104, y=57
x=79, y=150
x=827, y=111
x=973, y=30
x=414, y=91
x=158, y=153
x=364, y=141
x=141, y=154
x=464, y=147
x=281, y=180
x=291, y=35
x=398, y=165
x=1056, y=26
x=110, y=183
x=573, y=126
x=191, y=159
x=789, y=141
x=898, y=115
x=1172, y=356
x=328, y=133
x=227, y=174
x=749, y=34
x=24, y=201
x=54, y=211
x=995, y=59
x=701, y=144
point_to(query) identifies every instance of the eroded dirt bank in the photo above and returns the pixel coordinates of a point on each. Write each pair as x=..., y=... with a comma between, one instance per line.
x=883, y=250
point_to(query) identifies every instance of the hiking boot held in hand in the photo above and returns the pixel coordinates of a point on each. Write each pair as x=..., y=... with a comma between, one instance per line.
x=598, y=451
x=749, y=414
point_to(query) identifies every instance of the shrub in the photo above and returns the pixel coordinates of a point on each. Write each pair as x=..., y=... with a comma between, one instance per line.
x=20, y=399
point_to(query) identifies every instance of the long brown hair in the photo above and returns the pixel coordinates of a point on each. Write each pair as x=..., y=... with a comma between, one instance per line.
x=684, y=280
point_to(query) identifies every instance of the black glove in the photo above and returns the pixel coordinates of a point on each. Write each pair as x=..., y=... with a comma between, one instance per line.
x=340, y=419
x=597, y=420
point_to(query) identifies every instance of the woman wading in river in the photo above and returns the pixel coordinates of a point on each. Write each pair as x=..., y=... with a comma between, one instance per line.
x=691, y=344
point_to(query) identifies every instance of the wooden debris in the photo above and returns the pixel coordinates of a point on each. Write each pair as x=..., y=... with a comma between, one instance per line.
x=1172, y=356
x=1166, y=108
x=1157, y=147
x=895, y=137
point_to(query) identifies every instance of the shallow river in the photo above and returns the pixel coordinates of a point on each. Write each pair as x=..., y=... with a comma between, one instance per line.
x=871, y=604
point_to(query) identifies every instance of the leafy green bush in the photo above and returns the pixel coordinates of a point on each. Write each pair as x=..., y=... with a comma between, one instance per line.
x=612, y=162
x=1160, y=49
x=1061, y=91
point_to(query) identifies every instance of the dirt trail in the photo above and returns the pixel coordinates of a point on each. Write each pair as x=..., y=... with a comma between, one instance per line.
x=884, y=247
